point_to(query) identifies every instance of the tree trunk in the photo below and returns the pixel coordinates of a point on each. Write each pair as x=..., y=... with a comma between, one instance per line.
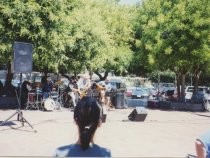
x=9, y=89
x=178, y=81
x=91, y=74
x=102, y=78
x=183, y=78
x=9, y=74
x=196, y=80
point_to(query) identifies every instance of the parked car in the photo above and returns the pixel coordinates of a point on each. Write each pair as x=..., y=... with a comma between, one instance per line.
x=115, y=84
x=129, y=91
x=202, y=90
x=153, y=92
x=140, y=93
x=188, y=92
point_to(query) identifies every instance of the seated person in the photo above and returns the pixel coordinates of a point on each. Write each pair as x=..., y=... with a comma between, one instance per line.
x=87, y=115
x=202, y=146
x=46, y=86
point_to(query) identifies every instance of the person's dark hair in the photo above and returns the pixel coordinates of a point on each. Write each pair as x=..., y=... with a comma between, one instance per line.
x=44, y=80
x=94, y=85
x=87, y=115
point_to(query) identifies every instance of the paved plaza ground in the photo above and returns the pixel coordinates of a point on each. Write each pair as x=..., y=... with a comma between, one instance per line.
x=162, y=134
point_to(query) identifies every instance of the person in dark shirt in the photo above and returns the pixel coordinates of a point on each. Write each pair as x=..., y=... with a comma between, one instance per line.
x=46, y=86
x=87, y=115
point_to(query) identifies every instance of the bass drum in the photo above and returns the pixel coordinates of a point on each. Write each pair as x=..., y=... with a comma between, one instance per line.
x=49, y=104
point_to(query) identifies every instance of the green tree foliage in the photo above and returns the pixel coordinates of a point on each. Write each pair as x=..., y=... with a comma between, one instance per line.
x=88, y=41
x=68, y=35
x=119, y=24
x=174, y=34
x=41, y=23
x=98, y=37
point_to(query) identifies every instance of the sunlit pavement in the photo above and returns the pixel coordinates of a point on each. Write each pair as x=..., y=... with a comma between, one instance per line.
x=162, y=134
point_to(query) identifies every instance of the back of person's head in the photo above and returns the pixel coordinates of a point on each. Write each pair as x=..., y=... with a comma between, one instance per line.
x=94, y=85
x=73, y=79
x=87, y=115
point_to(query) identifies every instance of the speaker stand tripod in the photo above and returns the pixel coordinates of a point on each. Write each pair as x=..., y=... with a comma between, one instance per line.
x=18, y=111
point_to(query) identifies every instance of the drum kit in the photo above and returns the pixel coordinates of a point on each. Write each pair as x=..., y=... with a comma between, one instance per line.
x=37, y=101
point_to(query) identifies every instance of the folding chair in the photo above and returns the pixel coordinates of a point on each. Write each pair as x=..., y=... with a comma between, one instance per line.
x=31, y=101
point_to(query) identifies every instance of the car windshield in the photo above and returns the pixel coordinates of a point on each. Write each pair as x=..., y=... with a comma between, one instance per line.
x=190, y=89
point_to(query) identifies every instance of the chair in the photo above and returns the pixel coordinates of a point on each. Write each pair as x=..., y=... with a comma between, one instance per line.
x=31, y=101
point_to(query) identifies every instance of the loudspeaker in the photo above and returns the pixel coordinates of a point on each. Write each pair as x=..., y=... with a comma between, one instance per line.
x=138, y=114
x=22, y=57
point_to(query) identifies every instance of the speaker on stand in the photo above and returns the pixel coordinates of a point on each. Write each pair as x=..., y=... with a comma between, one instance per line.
x=22, y=63
x=22, y=57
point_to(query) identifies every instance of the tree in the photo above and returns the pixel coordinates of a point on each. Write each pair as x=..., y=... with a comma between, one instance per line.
x=118, y=21
x=98, y=37
x=68, y=35
x=41, y=23
x=175, y=35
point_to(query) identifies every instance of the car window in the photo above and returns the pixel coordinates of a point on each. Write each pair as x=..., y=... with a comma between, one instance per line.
x=203, y=89
x=190, y=89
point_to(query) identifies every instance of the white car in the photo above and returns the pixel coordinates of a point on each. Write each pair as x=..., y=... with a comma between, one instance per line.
x=190, y=89
x=188, y=92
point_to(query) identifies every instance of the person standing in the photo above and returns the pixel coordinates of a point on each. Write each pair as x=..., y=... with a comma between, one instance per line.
x=72, y=90
x=87, y=115
x=84, y=85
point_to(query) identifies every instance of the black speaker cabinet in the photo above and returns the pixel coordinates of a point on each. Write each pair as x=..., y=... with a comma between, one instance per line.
x=138, y=114
x=22, y=57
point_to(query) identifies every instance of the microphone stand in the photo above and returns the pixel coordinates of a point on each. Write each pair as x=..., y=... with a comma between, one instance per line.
x=18, y=111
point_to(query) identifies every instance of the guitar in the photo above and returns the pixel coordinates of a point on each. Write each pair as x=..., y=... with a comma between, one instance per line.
x=82, y=92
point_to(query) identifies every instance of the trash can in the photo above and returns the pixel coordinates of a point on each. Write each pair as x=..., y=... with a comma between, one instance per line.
x=119, y=100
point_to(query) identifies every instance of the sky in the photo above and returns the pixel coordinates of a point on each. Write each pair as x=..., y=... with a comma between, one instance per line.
x=129, y=1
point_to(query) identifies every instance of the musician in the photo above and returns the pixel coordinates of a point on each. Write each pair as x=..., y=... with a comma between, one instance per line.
x=73, y=90
x=97, y=86
x=46, y=86
x=84, y=85
x=98, y=91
